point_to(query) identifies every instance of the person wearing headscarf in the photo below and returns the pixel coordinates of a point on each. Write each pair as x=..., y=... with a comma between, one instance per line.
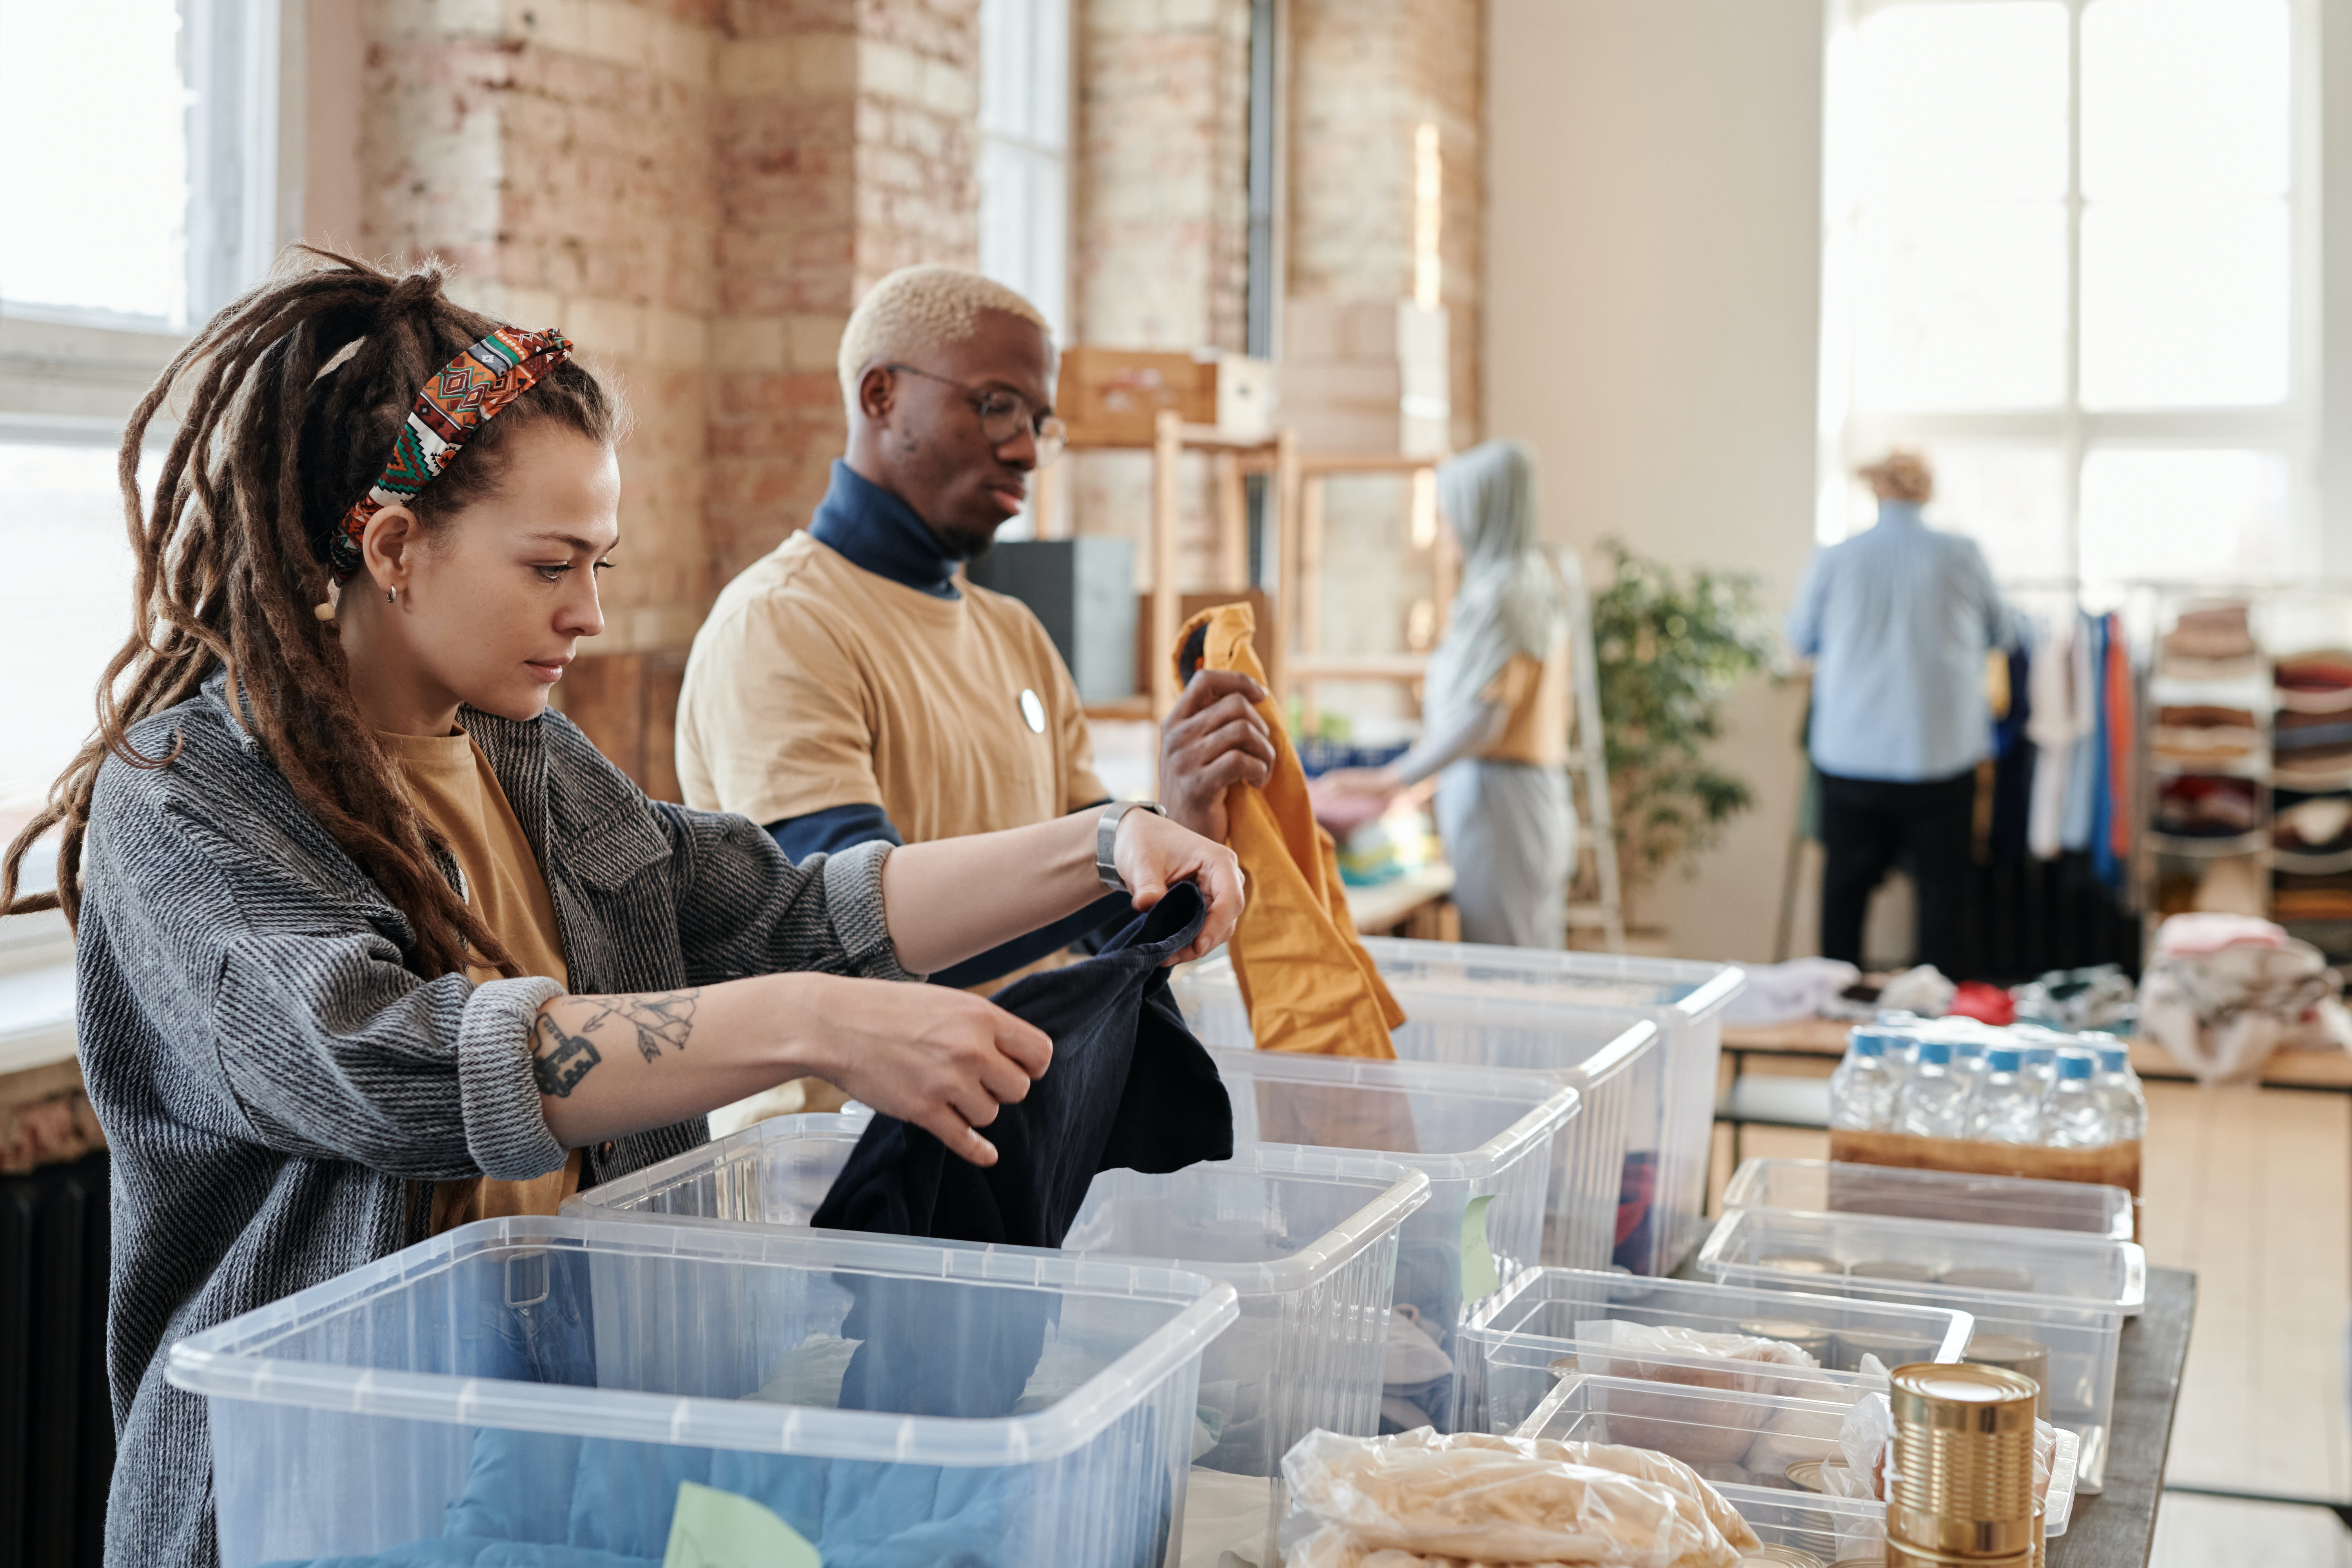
x=1495, y=713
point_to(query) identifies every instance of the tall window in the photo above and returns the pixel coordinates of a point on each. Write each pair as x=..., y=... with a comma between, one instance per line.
x=138, y=183
x=2067, y=255
x=1025, y=150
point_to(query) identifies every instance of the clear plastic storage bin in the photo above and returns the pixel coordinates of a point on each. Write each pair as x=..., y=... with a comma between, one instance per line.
x=1760, y=1451
x=1821, y=1186
x=1553, y=1322
x=1513, y=1008
x=2068, y=1294
x=1483, y=1139
x=529, y=1390
x=1307, y=1238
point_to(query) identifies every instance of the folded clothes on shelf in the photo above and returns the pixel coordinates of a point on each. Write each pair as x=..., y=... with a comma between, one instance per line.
x=2197, y=806
x=2300, y=897
x=2313, y=823
x=2311, y=732
x=2211, y=631
x=2316, y=682
x=2316, y=769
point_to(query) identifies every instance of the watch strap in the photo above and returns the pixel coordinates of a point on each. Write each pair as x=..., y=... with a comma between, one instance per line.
x=1107, y=840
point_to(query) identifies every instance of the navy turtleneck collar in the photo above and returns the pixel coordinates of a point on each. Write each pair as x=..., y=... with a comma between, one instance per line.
x=882, y=534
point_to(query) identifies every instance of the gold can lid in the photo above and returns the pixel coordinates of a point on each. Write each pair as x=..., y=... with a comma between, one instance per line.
x=1772, y=1556
x=1963, y=1395
x=1794, y=1331
x=1805, y=1475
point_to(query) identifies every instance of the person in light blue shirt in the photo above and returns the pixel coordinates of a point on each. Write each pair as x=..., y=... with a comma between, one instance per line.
x=1897, y=621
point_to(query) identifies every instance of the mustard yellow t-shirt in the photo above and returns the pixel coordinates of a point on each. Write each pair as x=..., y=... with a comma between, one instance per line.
x=817, y=684
x=461, y=800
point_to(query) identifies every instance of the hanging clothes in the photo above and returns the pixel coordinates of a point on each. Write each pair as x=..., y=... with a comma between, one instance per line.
x=1306, y=978
x=2122, y=724
x=2013, y=752
x=2053, y=725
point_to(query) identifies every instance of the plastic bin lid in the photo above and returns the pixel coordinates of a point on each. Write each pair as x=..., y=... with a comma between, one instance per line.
x=2126, y=1262
x=233, y=1360
x=1433, y=973
x=1752, y=1185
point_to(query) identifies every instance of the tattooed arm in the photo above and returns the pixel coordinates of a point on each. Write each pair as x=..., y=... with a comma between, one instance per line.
x=942, y=1059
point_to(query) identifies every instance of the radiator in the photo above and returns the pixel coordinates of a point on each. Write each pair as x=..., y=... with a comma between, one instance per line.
x=57, y=1427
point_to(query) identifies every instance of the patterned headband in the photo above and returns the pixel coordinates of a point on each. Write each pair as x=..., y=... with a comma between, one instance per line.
x=462, y=397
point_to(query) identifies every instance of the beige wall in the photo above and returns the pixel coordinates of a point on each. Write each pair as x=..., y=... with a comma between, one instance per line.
x=1652, y=291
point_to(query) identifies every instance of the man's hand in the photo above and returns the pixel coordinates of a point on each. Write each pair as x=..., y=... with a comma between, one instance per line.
x=1213, y=739
x=942, y=1059
x=1154, y=853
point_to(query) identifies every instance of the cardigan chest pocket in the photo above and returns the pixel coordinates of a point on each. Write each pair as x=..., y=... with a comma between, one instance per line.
x=618, y=850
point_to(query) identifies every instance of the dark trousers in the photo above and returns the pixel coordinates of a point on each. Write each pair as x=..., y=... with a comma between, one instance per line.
x=1869, y=826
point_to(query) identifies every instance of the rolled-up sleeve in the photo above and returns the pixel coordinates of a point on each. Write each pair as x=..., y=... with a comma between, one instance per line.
x=744, y=909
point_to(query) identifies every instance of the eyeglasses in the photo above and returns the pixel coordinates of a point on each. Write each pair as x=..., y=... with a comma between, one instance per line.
x=1005, y=414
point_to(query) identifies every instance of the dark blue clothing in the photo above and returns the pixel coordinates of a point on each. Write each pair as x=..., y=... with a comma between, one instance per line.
x=840, y=827
x=883, y=534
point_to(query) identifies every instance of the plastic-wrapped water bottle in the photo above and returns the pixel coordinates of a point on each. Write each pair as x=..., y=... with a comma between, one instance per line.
x=1862, y=1090
x=1901, y=1032
x=2074, y=1111
x=2120, y=1088
x=1932, y=1102
x=1968, y=1058
x=2040, y=1064
x=2004, y=1107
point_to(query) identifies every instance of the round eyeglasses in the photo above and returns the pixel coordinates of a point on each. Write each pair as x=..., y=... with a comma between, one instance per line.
x=1005, y=414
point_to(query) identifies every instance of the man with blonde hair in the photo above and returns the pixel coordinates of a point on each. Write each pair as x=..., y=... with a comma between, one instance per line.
x=1897, y=621
x=849, y=686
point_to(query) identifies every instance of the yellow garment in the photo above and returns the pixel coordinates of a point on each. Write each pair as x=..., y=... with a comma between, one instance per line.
x=817, y=684
x=459, y=798
x=1308, y=982
x=1534, y=696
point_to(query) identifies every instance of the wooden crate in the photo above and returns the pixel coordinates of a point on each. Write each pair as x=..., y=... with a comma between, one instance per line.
x=1109, y=397
x=2116, y=1165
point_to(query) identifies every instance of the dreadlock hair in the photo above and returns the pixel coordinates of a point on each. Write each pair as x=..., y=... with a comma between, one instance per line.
x=294, y=395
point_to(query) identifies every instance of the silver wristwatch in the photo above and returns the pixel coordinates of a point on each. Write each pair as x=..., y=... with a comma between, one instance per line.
x=1107, y=840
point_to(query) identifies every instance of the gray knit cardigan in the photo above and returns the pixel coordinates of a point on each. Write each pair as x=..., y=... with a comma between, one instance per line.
x=272, y=1079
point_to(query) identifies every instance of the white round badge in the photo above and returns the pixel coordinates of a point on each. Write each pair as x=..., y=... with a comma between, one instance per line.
x=1033, y=710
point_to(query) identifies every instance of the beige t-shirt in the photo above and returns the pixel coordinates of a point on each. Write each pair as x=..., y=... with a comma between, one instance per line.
x=817, y=684
x=461, y=800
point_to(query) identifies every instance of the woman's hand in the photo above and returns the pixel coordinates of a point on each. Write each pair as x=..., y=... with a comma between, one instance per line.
x=1153, y=853
x=1344, y=799
x=943, y=1059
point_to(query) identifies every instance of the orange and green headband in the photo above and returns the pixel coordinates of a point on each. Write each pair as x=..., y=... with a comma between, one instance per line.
x=463, y=396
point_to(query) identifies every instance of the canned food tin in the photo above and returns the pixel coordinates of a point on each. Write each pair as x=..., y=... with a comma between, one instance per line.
x=1892, y=1350
x=1805, y=1475
x=2028, y=1357
x=1963, y=1456
x=1900, y=1554
x=1810, y=1338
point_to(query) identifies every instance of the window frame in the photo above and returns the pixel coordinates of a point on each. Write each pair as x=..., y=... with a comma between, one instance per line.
x=1045, y=32
x=1848, y=436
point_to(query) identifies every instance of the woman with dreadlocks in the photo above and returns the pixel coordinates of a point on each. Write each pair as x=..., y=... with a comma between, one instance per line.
x=370, y=942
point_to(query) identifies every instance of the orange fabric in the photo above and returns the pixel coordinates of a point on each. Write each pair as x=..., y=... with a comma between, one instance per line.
x=1307, y=981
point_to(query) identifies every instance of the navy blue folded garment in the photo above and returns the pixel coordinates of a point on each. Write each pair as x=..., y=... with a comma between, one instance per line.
x=1129, y=1088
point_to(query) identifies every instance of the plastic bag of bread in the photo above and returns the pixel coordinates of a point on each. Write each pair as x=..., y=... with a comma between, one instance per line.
x=1475, y=1498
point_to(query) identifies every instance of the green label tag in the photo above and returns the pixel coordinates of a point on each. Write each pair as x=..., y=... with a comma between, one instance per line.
x=712, y=1529
x=1479, y=1277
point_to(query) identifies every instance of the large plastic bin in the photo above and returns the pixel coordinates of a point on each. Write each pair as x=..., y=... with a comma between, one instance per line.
x=2071, y=1292
x=1822, y=1186
x=1483, y=1139
x=552, y=1382
x=1307, y=1238
x=1746, y=1446
x=1551, y=1322
x=1475, y=1006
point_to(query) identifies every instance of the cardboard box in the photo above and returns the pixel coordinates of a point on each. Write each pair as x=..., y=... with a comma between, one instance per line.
x=1111, y=398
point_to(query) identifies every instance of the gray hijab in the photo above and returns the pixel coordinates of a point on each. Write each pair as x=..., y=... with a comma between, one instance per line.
x=1511, y=601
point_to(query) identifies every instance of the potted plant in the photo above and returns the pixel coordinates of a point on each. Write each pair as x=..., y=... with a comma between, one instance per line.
x=1668, y=648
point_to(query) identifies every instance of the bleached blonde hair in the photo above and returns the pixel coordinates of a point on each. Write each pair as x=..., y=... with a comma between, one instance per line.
x=917, y=309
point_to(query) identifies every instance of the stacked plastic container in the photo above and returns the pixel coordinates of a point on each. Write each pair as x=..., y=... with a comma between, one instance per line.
x=1554, y=1322
x=1523, y=1010
x=536, y=1389
x=2067, y=1292
x=1821, y=1186
x=1308, y=1240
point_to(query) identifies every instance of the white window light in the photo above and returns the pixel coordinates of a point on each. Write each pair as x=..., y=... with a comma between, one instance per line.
x=2063, y=254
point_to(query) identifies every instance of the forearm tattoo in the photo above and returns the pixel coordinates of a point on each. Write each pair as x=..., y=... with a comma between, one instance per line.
x=560, y=1060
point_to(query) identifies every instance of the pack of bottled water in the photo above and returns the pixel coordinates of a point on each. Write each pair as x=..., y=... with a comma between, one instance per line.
x=1956, y=1077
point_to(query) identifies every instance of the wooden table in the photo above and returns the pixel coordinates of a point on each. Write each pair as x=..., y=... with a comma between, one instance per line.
x=2329, y=1071
x=2116, y=1527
